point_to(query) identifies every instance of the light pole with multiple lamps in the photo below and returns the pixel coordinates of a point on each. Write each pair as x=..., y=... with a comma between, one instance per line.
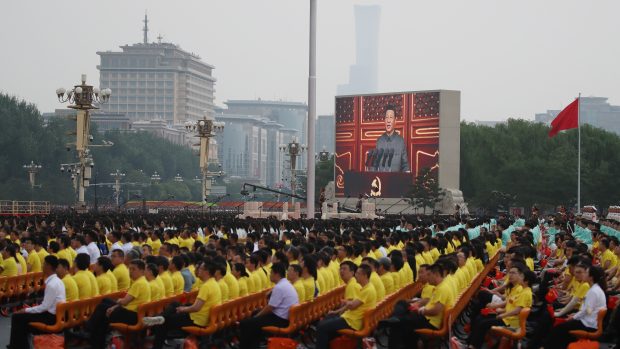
x=32, y=169
x=293, y=149
x=118, y=175
x=205, y=129
x=155, y=177
x=81, y=98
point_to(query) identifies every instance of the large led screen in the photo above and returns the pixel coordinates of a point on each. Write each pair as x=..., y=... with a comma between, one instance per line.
x=384, y=140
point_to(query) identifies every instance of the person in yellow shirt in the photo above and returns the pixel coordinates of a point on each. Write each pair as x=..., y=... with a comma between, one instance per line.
x=328, y=277
x=428, y=289
x=386, y=276
x=81, y=277
x=294, y=276
x=71, y=289
x=196, y=314
x=164, y=275
x=608, y=258
x=518, y=296
x=375, y=280
x=242, y=277
x=40, y=246
x=64, y=251
x=105, y=283
x=350, y=315
x=252, y=264
x=229, y=278
x=123, y=310
x=121, y=272
x=578, y=291
x=397, y=265
x=33, y=261
x=9, y=266
x=155, y=284
x=428, y=316
x=178, y=283
x=309, y=276
x=347, y=274
x=23, y=266
x=220, y=270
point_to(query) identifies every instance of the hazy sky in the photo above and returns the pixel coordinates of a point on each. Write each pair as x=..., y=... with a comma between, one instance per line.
x=509, y=58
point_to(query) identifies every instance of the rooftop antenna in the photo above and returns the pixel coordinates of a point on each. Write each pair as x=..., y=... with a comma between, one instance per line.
x=159, y=37
x=146, y=28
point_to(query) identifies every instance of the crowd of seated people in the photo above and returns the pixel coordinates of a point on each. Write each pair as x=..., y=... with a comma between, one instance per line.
x=221, y=259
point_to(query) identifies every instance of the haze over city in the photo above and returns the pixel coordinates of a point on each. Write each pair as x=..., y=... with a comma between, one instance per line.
x=508, y=59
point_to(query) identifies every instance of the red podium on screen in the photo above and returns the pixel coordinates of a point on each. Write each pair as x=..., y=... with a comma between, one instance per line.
x=377, y=184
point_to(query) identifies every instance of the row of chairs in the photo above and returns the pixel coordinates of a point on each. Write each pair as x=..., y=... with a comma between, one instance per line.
x=451, y=314
x=73, y=314
x=153, y=308
x=20, y=287
x=304, y=314
x=383, y=310
x=225, y=315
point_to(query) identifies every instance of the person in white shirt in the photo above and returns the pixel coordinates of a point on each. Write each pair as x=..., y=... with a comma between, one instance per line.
x=93, y=249
x=45, y=312
x=78, y=244
x=126, y=240
x=586, y=319
x=115, y=239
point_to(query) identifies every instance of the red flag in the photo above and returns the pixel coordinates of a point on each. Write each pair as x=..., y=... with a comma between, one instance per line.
x=567, y=119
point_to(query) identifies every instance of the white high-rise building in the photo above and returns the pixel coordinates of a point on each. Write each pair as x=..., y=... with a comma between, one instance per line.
x=157, y=80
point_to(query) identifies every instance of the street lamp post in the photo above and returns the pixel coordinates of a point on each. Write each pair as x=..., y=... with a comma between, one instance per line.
x=293, y=149
x=155, y=177
x=323, y=155
x=81, y=98
x=205, y=129
x=118, y=175
x=32, y=169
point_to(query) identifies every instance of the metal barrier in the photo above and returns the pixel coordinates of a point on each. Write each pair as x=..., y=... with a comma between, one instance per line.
x=16, y=208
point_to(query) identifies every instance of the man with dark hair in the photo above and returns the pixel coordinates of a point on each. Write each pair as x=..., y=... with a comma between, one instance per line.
x=350, y=315
x=104, y=281
x=429, y=316
x=91, y=246
x=123, y=310
x=63, y=272
x=86, y=287
x=156, y=285
x=392, y=146
x=283, y=296
x=77, y=243
x=175, y=274
x=45, y=312
x=164, y=275
x=121, y=273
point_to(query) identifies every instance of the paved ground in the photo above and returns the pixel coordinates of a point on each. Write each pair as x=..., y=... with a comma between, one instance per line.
x=5, y=331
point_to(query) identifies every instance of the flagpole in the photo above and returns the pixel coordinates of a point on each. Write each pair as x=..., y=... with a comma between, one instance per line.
x=579, y=153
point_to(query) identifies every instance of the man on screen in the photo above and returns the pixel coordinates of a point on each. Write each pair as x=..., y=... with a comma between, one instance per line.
x=391, y=147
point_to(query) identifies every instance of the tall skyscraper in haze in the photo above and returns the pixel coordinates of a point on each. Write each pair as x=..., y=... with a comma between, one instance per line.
x=364, y=75
x=157, y=80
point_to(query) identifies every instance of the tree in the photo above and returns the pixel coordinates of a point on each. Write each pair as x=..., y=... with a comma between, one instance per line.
x=425, y=191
